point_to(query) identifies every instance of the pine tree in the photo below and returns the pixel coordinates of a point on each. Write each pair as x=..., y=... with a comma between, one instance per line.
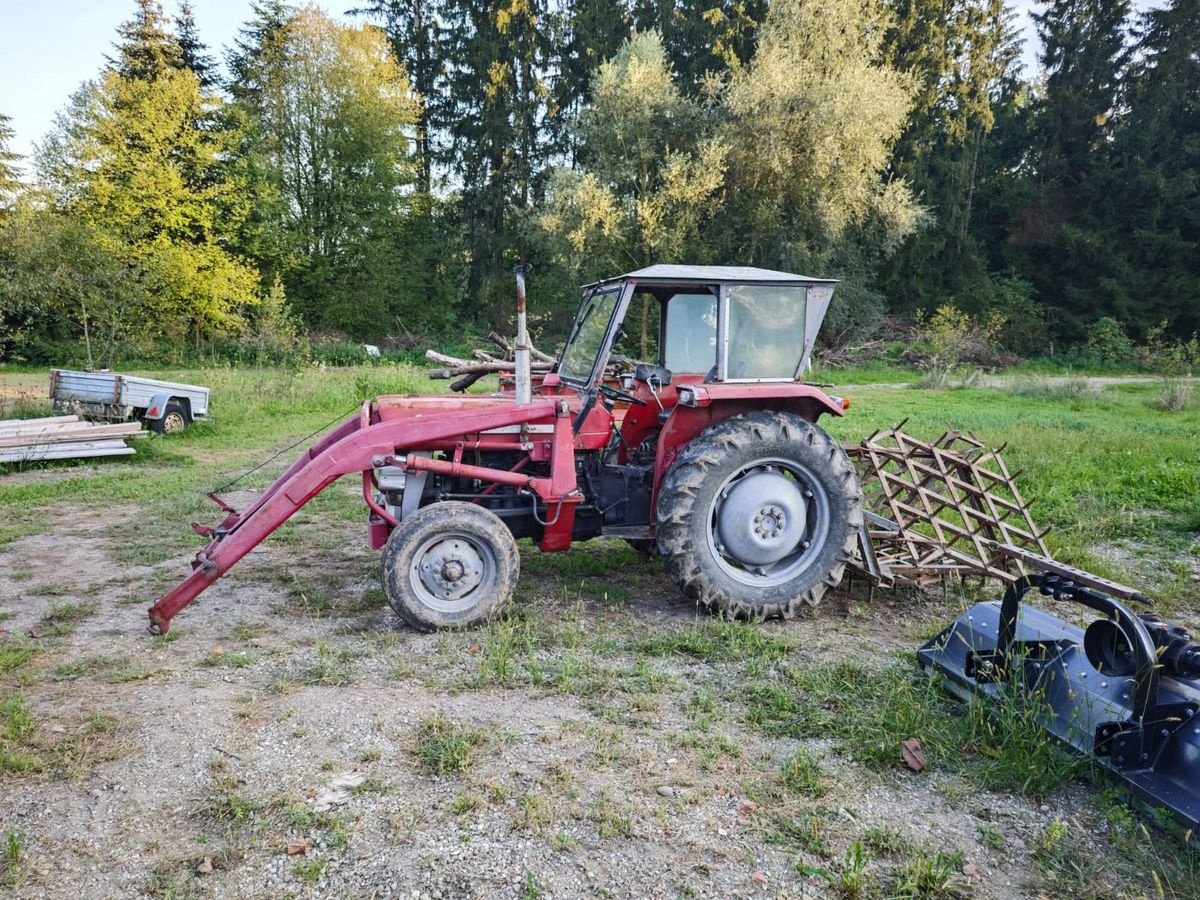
x=1084, y=55
x=140, y=159
x=147, y=49
x=703, y=37
x=492, y=111
x=194, y=55
x=1063, y=241
x=590, y=32
x=412, y=28
x=10, y=173
x=958, y=54
x=1156, y=186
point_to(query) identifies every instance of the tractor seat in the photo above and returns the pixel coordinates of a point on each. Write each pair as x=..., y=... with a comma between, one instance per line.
x=648, y=372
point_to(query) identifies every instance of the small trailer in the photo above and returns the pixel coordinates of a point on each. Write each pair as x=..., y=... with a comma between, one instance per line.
x=165, y=406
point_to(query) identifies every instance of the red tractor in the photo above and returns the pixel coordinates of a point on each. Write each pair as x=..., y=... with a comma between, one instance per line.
x=711, y=455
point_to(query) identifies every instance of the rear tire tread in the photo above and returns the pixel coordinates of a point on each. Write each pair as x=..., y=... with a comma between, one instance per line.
x=680, y=496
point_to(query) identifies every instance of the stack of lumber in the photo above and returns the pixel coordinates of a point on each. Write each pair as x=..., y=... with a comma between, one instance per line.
x=62, y=437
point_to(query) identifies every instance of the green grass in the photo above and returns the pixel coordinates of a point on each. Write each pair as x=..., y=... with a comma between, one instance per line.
x=13, y=655
x=443, y=747
x=10, y=859
x=999, y=746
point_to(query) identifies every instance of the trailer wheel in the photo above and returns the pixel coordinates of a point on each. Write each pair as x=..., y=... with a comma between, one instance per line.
x=759, y=515
x=174, y=418
x=450, y=564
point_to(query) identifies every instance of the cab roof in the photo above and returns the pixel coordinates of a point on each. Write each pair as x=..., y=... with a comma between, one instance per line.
x=672, y=275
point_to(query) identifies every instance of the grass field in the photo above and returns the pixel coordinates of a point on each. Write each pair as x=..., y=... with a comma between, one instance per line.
x=602, y=718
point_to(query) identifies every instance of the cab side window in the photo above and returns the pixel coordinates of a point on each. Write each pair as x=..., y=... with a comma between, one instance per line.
x=690, y=337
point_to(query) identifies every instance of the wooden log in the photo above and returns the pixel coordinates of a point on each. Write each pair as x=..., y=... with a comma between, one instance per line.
x=484, y=356
x=453, y=361
x=466, y=381
x=500, y=342
x=482, y=368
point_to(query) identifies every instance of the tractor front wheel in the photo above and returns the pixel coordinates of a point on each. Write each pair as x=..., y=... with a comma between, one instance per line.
x=450, y=564
x=759, y=515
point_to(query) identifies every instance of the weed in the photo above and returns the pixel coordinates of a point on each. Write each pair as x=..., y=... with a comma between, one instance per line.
x=991, y=838
x=62, y=618
x=10, y=859
x=466, y=801
x=852, y=881
x=612, y=818
x=228, y=660
x=13, y=656
x=535, y=813
x=930, y=876
x=719, y=640
x=330, y=668
x=444, y=747
x=873, y=710
x=805, y=832
x=886, y=841
x=563, y=841
x=529, y=888
x=173, y=880
x=370, y=755
x=802, y=775
x=309, y=870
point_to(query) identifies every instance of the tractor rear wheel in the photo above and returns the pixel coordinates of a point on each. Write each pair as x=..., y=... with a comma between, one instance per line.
x=758, y=515
x=450, y=564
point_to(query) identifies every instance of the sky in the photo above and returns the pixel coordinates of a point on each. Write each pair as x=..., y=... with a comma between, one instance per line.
x=49, y=47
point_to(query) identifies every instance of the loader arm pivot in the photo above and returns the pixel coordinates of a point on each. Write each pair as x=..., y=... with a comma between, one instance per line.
x=356, y=445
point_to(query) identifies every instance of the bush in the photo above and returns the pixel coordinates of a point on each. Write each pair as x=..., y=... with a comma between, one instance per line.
x=1172, y=360
x=1107, y=340
x=952, y=343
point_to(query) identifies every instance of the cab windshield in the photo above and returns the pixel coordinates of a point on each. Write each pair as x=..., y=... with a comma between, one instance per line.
x=587, y=335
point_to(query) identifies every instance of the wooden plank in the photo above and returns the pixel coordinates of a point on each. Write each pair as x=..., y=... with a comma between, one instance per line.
x=18, y=424
x=81, y=449
x=92, y=432
x=48, y=429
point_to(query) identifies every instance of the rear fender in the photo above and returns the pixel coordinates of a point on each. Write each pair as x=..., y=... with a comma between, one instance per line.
x=158, y=406
x=715, y=402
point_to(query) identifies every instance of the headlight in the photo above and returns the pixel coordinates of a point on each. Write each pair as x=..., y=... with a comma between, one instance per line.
x=686, y=397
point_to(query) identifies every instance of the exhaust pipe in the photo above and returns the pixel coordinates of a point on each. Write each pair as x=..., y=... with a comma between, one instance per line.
x=521, y=352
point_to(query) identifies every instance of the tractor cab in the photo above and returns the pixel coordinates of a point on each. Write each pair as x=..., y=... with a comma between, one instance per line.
x=707, y=324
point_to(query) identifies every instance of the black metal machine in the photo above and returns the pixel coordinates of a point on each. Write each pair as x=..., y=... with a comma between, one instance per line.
x=1125, y=690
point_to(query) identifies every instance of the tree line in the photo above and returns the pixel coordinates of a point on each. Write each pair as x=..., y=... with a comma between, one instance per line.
x=380, y=179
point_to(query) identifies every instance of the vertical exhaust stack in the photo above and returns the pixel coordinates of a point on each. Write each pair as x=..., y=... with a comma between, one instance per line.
x=521, y=353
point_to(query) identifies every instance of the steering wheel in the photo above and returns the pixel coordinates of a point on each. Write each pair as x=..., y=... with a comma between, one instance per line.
x=613, y=394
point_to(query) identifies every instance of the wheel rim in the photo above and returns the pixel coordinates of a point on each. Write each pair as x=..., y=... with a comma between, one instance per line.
x=451, y=572
x=768, y=522
x=173, y=421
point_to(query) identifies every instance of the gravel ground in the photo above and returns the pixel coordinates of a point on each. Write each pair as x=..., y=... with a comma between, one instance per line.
x=196, y=762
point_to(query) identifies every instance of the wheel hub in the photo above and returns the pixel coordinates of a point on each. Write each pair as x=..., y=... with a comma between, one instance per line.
x=761, y=518
x=450, y=569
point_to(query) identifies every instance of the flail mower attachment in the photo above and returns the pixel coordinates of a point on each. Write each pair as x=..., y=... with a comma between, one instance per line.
x=1123, y=691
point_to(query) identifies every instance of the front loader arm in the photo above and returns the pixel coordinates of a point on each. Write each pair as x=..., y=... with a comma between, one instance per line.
x=354, y=446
